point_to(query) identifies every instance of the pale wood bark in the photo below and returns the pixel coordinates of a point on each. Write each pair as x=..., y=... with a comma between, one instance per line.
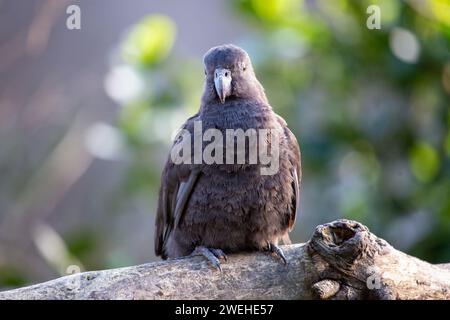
x=342, y=260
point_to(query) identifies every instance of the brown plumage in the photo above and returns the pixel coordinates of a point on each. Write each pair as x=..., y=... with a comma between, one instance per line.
x=222, y=208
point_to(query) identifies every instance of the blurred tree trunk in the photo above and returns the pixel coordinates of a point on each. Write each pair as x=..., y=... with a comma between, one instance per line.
x=342, y=260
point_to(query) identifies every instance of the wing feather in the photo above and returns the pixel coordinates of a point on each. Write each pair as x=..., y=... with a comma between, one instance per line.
x=296, y=172
x=177, y=185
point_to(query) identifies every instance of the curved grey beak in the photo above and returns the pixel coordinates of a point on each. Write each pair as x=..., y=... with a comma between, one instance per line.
x=222, y=82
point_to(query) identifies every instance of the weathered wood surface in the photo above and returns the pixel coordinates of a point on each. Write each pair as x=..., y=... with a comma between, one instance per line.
x=342, y=260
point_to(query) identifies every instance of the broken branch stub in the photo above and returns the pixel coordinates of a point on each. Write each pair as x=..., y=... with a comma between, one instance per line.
x=363, y=266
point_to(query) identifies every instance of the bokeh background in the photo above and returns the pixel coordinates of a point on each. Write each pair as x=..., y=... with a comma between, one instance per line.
x=86, y=118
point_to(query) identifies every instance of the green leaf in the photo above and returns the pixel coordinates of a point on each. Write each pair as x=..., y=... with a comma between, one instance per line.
x=150, y=41
x=441, y=10
x=424, y=161
x=273, y=10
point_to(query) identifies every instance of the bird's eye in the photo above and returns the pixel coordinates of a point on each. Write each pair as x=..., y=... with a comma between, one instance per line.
x=204, y=71
x=244, y=68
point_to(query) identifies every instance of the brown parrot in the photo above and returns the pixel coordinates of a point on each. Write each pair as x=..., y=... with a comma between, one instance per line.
x=219, y=208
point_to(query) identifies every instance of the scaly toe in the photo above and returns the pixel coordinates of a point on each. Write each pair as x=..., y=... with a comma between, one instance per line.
x=219, y=253
x=276, y=250
x=209, y=255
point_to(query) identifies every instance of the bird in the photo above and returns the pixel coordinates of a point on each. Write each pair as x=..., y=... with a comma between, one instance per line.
x=217, y=209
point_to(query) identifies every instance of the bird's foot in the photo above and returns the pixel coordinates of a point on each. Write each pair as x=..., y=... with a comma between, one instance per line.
x=276, y=250
x=211, y=254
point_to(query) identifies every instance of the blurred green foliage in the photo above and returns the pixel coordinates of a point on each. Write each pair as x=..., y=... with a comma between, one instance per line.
x=424, y=161
x=149, y=41
x=11, y=277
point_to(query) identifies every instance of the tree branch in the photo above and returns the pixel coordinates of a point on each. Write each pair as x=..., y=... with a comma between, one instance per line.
x=343, y=260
